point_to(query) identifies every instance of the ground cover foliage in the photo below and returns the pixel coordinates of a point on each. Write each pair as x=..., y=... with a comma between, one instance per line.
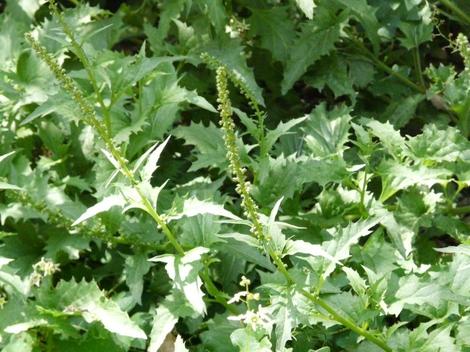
x=235, y=175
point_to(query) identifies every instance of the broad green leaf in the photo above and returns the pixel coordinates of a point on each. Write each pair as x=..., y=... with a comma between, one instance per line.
x=316, y=39
x=217, y=336
x=275, y=29
x=87, y=300
x=208, y=141
x=332, y=72
x=415, y=291
x=397, y=177
x=389, y=136
x=215, y=12
x=366, y=14
x=435, y=145
x=327, y=132
x=136, y=266
x=400, y=112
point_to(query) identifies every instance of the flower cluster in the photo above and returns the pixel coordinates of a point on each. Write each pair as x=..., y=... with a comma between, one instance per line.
x=258, y=318
x=246, y=295
x=233, y=155
x=43, y=268
x=236, y=28
x=68, y=85
x=463, y=47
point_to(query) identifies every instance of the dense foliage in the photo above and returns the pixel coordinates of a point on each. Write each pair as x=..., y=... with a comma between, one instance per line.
x=238, y=175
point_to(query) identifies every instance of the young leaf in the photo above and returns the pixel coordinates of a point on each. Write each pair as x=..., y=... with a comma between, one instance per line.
x=152, y=160
x=342, y=241
x=104, y=205
x=307, y=7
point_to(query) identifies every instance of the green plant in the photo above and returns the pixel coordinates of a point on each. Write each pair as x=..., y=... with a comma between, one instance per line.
x=328, y=211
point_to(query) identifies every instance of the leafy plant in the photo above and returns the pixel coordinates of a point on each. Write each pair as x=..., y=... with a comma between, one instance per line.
x=234, y=176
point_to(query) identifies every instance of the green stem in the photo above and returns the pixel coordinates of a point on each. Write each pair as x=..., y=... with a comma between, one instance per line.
x=457, y=10
x=322, y=303
x=418, y=67
x=214, y=291
x=363, y=193
x=89, y=115
x=459, y=211
x=384, y=67
x=346, y=322
x=250, y=207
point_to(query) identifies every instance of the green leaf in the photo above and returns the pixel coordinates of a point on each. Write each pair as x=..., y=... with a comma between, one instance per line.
x=396, y=177
x=163, y=324
x=230, y=53
x=215, y=12
x=135, y=267
x=332, y=72
x=87, y=300
x=246, y=341
x=342, y=240
x=316, y=39
x=275, y=29
x=282, y=129
x=209, y=143
x=217, y=336
x=151, y=160
x=183, y=270
x=357, y=283
x=415, y=291
x=104, y=205
x=366, y=14
x=388, y=135
x=400, y=112
x=436, y=145
x=327, y=132
x=193, y=207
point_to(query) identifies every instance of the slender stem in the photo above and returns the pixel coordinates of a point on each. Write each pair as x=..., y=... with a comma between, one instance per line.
x=457, y=10
x=345, y=321
x=384, y=67
x=214, y=291
x=418, y=68
x=460, y=210
x=146, y=203
x=322, y=303
x=90, y=118
x=363, y=192
x=250, y=207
